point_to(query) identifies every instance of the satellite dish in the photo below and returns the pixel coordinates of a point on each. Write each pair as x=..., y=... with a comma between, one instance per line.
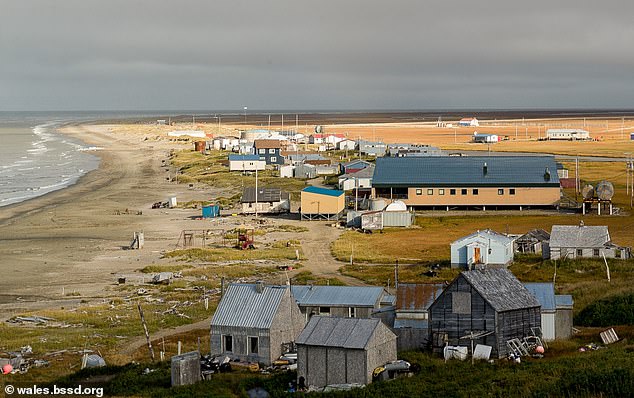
x=318, y=129
x=605, y=190
x=587, y=191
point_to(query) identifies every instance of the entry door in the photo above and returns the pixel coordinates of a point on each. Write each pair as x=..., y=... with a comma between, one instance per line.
x=476, y=256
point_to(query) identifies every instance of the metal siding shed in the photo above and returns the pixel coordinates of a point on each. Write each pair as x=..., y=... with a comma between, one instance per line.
x=544, y=293
x=446, y=171
x=243, y=158
x=243, y=306
x=345, y=296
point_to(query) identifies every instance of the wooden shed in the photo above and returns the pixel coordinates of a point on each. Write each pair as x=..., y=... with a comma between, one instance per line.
x=253, y=322
x=321, y=203
x=342, y=350
x=487, y=301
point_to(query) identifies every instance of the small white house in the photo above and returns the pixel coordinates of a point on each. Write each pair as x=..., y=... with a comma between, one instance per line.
x=482, y=247
x=316, y=138
x=333, y=139
x=349, y=145
x=359, y=179
x=469, y=122
x=287, y=171
x=246, y=163
x=485, y=138
x=567, y=134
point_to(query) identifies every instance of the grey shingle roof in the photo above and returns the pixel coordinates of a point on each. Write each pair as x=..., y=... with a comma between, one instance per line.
x=264, y=195
x=333, y=296
x=501, y=289
x=243, y=306
x=536, y=234
x=579, y=236
x=327, y=331
x=447, y=171
x=544, y=293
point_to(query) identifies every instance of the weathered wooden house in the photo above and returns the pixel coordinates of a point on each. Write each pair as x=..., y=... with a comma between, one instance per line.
x=266, y=201
x=534, y=241
x=253, y=322
x=482, y=247
x=490, y=303
x=577, y=241
x=342, y=350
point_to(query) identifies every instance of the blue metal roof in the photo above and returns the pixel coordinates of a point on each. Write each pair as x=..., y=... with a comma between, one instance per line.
x=544, y=293
x=323, y=191
x=447, y=171
x=243, y=157
x=243, y=306
x=564, y=300
x=334, y=296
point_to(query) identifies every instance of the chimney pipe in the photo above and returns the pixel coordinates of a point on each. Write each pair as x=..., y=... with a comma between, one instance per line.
x=485, y=168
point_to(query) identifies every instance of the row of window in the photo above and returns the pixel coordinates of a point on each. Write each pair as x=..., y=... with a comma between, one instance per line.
x=463, y=191
x=596, y=253
x=227, y=344
x=262, y=151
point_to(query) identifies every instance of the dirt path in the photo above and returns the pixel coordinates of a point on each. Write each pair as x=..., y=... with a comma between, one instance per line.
x=319, y=260
x=130, y=347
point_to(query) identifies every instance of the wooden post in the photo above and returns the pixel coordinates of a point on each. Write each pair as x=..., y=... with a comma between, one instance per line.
x=147, y=334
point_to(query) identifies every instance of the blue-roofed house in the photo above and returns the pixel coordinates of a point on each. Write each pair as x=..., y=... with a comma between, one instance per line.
x=474, y=181
x=342, y=301
x=246, y=163
x=556, y=310
x=321, y=203
x=253, y=322
x=334, y=350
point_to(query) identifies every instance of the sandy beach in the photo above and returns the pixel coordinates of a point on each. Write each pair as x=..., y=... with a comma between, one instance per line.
x=67, y=245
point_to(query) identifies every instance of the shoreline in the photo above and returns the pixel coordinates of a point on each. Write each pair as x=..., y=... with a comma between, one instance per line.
x=70, y=240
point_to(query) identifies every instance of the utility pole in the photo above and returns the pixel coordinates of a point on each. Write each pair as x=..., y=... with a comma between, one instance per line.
x=256, y=192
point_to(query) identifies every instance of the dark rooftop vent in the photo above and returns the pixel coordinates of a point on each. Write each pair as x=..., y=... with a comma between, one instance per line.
x=259, y=286
x=547, y=174
x=485, y=168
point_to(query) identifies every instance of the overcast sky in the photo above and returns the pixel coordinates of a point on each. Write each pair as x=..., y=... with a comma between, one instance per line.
x=326, y=54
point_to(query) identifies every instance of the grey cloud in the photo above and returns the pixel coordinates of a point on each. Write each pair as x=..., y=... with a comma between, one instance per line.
x=140, y=54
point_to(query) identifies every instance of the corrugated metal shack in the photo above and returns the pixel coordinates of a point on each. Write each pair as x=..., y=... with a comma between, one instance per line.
x=343, y=350
x=556, y=310
x=252, y=322
x=488, y=300
x=411, y=323
x=375, y=220
x=339, y=301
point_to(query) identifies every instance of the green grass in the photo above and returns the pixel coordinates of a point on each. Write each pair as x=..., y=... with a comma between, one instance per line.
x=307, y=277
x=231, y=254
x=155, y=268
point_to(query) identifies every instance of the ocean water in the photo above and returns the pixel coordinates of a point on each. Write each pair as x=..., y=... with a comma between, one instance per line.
x=35, y=159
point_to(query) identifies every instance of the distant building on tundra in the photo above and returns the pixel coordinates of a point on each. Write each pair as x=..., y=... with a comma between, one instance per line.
x=471, y=181
x=578, y=241
x=491, y=303
x=567, y=134
x=469, y=122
